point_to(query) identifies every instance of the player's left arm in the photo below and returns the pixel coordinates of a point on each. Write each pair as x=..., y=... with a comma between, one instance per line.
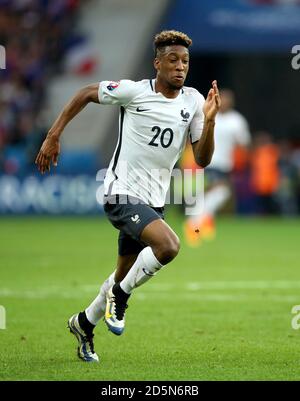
x=203, y=149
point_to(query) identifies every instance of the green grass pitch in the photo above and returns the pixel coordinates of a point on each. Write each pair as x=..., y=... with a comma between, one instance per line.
x=219, y=312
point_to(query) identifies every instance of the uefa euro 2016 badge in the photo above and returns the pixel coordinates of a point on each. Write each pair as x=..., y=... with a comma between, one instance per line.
x=113, y=85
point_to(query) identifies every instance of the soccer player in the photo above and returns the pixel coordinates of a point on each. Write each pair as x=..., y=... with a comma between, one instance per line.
x=231, y=131
x=157, y=116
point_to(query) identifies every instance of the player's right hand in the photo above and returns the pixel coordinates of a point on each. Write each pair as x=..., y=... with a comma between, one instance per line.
x=48, y=154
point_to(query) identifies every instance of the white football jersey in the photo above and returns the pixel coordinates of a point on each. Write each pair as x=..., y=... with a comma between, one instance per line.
x=231, y=129
x=153, y=131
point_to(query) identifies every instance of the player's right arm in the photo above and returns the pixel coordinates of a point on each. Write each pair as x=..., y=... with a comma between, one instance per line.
x=50, y=148
x=105, y=92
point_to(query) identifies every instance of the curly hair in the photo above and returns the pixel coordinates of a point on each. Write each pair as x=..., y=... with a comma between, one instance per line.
x=168, y=38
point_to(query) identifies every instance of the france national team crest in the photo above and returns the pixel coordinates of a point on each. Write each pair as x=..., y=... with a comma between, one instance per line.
x=185, y=115
x=113, y=85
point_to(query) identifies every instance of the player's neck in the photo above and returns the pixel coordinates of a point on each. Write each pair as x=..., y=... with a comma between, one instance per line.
x=165, y=89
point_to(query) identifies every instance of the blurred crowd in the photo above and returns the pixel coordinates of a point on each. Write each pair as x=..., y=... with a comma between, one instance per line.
x=258, y=174
x=266, y=177
x=36, y=35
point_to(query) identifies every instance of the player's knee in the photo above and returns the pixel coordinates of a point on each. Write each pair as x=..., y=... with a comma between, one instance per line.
x=168, y=249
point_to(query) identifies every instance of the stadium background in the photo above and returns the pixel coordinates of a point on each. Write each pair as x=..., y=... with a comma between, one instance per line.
x=53, y=48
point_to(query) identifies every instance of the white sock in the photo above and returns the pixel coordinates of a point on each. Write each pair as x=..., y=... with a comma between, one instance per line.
x=96, y=310
x=145, y=267
x=213, y=201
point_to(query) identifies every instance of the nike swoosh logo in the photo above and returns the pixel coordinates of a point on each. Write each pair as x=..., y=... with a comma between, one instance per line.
x=148, y=273
x=139, y=109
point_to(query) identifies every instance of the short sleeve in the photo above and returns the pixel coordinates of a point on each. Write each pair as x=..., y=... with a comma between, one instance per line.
x=197, y=123
x=117, y=92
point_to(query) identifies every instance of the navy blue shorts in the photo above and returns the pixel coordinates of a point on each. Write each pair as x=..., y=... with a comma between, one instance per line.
x=130, y=215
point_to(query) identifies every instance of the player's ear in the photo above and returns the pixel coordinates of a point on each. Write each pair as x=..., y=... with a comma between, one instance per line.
x=156, y=63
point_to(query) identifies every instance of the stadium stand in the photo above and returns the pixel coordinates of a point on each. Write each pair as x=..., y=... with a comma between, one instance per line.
x=37, y=36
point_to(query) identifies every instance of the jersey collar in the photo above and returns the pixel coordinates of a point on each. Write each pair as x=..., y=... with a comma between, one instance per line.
x=152, y=85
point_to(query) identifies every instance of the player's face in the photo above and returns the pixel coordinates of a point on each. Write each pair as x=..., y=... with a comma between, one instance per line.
x=173, y=65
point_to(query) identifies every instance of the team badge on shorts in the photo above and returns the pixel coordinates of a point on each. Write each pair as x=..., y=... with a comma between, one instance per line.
x=136, y=219
x=113, y=85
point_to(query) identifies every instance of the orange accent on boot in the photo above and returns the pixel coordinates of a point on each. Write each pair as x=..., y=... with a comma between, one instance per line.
x=208, y=228
x=192, y=234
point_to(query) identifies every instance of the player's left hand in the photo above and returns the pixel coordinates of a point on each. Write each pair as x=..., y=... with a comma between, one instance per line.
x=212, y=103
